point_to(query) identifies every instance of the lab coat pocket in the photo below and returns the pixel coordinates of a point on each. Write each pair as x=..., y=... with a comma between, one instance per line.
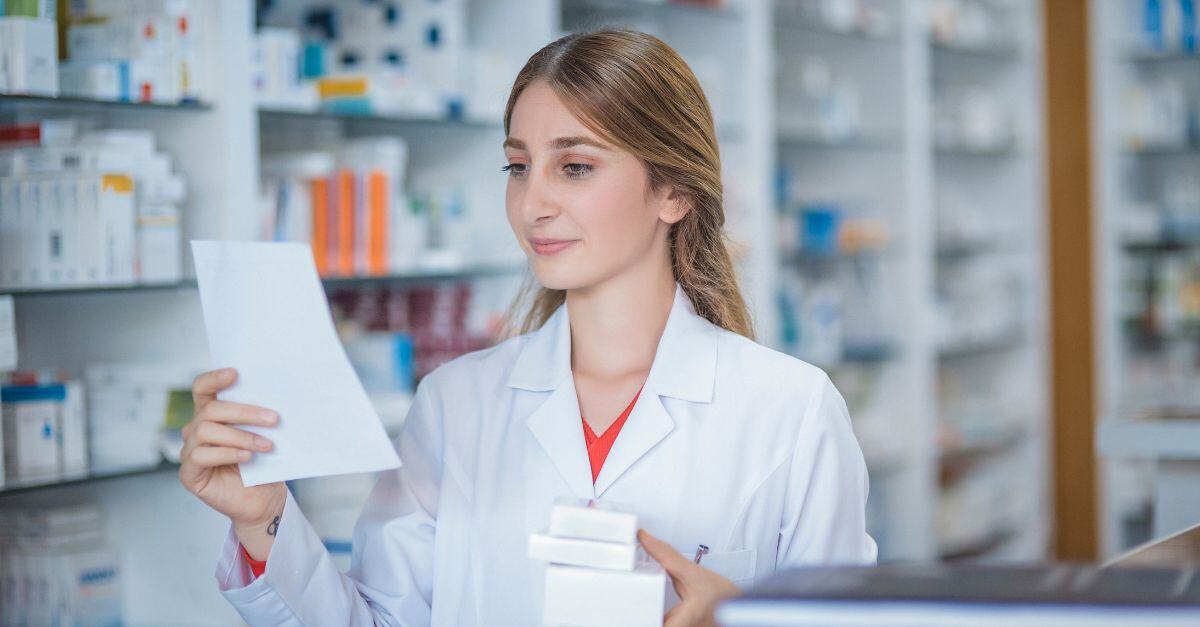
x=736, y=566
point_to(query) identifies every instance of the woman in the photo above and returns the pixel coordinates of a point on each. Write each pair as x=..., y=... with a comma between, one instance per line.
x=642, y=337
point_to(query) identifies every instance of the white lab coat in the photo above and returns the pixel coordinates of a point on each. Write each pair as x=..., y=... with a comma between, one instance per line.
x=730, y=444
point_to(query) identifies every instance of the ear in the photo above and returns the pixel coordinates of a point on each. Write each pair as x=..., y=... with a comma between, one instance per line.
x=674, y=207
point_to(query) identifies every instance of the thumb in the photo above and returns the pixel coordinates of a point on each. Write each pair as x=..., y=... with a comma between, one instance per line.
x=665, y=554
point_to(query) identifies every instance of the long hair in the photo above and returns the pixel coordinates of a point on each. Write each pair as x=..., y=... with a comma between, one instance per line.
x=636, y=92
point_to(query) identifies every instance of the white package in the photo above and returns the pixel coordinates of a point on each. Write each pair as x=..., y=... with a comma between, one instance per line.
x=74, y=445
x=592, y=520
x=30, y=55
x=589, y=553
x=31, y=433
x=604, y=598
x=101, y=80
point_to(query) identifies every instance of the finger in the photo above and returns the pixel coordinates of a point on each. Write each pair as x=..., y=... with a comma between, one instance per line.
x=212, y=456
x=665, y=554
x=209, y=433
x=238, y=414
x=206, y=386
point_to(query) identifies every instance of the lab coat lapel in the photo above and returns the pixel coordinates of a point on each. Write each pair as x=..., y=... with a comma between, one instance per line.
x=544, y=365
x=685, y=366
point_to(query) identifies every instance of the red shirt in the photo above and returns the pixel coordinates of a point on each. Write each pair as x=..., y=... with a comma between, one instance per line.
x=597, y=449
x=599, y=446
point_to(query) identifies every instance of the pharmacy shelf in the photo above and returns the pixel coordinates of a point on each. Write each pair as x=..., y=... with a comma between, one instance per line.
x=982, y=347
x=990, y=53
x=90, y=478
x=447, y=273
x=656, y=8
x=98, y=289
x=814, y=142
x=84, y=105
x=282, y=116
x=1146, y=153
x=1164, y=57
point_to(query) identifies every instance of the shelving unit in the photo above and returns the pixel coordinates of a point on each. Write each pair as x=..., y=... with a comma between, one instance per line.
x=1146, y=173
x=886, y=169
x=901, y=399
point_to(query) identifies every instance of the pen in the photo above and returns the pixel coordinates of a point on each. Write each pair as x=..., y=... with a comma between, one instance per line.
x=701, y=550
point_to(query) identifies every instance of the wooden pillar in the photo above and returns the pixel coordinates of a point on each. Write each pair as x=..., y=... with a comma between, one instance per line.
x=1073, y=355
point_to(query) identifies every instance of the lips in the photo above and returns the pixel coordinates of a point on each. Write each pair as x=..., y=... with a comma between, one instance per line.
x=547, y=246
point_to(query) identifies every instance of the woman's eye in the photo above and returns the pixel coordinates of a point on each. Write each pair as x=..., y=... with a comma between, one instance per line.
x=577, y=170
x=515, y=170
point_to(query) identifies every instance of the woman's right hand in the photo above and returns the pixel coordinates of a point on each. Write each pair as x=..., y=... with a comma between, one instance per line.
x=213, y=447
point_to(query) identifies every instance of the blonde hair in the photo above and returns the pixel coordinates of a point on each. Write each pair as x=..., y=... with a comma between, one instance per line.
x=636, y=92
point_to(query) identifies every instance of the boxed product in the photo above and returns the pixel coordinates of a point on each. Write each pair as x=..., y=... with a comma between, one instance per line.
x=29, y=55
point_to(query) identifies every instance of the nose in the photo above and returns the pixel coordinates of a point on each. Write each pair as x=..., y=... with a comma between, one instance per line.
x=540, y=203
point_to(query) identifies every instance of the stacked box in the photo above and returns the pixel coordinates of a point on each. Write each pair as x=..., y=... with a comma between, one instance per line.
x=597, y=575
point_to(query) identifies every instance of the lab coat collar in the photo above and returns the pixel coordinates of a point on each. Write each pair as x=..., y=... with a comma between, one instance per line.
x=685, y=362
x=685, y=366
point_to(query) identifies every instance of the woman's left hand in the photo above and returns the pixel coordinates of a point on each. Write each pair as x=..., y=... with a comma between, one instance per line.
x=699, y=589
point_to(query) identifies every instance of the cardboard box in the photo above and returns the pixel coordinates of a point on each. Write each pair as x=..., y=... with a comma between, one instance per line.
x=602, y=598
x=30, y=55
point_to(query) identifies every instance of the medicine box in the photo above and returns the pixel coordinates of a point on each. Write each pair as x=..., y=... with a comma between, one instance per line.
x=592, y=520
x=604, y=598
x=589, y=553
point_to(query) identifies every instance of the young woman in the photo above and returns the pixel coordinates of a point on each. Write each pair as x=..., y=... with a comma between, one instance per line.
x=641, y=385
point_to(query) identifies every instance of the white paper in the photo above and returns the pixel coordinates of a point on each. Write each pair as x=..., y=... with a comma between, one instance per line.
x=8, y=335
x=266, y=315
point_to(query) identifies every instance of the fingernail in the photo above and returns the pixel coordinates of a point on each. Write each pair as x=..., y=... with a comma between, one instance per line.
x=270, y=417
x=262, y=444
x=243, y=455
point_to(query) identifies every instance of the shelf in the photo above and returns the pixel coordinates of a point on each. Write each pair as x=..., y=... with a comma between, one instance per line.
x=427, y=274
x=666, y=7
x=818, y=27
x=1150, y=56
x=956, y=460
x=978, y=548
x=24, y=102
x=1160, y=246
x=812, y=141
x=98, y=289
x=470, y=271
x=281, y=116
x=1171, y=438
x=990, y=52
x=967, y=150
x=1183, y=149
x=18, y=488
x=974, y=348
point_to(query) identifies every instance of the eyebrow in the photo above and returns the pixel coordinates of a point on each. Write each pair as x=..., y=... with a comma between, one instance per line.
x=561, y=143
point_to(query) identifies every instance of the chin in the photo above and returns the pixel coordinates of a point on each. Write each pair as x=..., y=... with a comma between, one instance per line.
x=557, y=276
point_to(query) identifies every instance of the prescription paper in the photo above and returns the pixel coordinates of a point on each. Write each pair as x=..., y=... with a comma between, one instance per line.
x=266, y=315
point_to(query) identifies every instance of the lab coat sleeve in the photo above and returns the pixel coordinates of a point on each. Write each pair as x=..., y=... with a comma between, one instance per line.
x=391, y=573
x=825, y=516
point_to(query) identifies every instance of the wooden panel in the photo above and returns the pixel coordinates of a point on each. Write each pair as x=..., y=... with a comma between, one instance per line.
x=1071, y=278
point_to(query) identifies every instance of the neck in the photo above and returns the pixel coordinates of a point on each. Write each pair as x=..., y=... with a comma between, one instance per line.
x=616, y=324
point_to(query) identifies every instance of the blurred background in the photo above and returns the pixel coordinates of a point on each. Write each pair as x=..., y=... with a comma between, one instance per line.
x=981, y=217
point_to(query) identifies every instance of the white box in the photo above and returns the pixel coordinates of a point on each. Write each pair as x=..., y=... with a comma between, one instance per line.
x=604, y=598
x=159, y=249
x=33, y=258
x=74, y=445
x=11, y=241
x=120, y=38
x=31, y=427
x=30, y=55
x=593, y=520
x=101, y=80
x=116, y=212
x=589, y=553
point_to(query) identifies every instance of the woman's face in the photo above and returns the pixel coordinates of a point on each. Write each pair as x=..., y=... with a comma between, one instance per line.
x=581, y=208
